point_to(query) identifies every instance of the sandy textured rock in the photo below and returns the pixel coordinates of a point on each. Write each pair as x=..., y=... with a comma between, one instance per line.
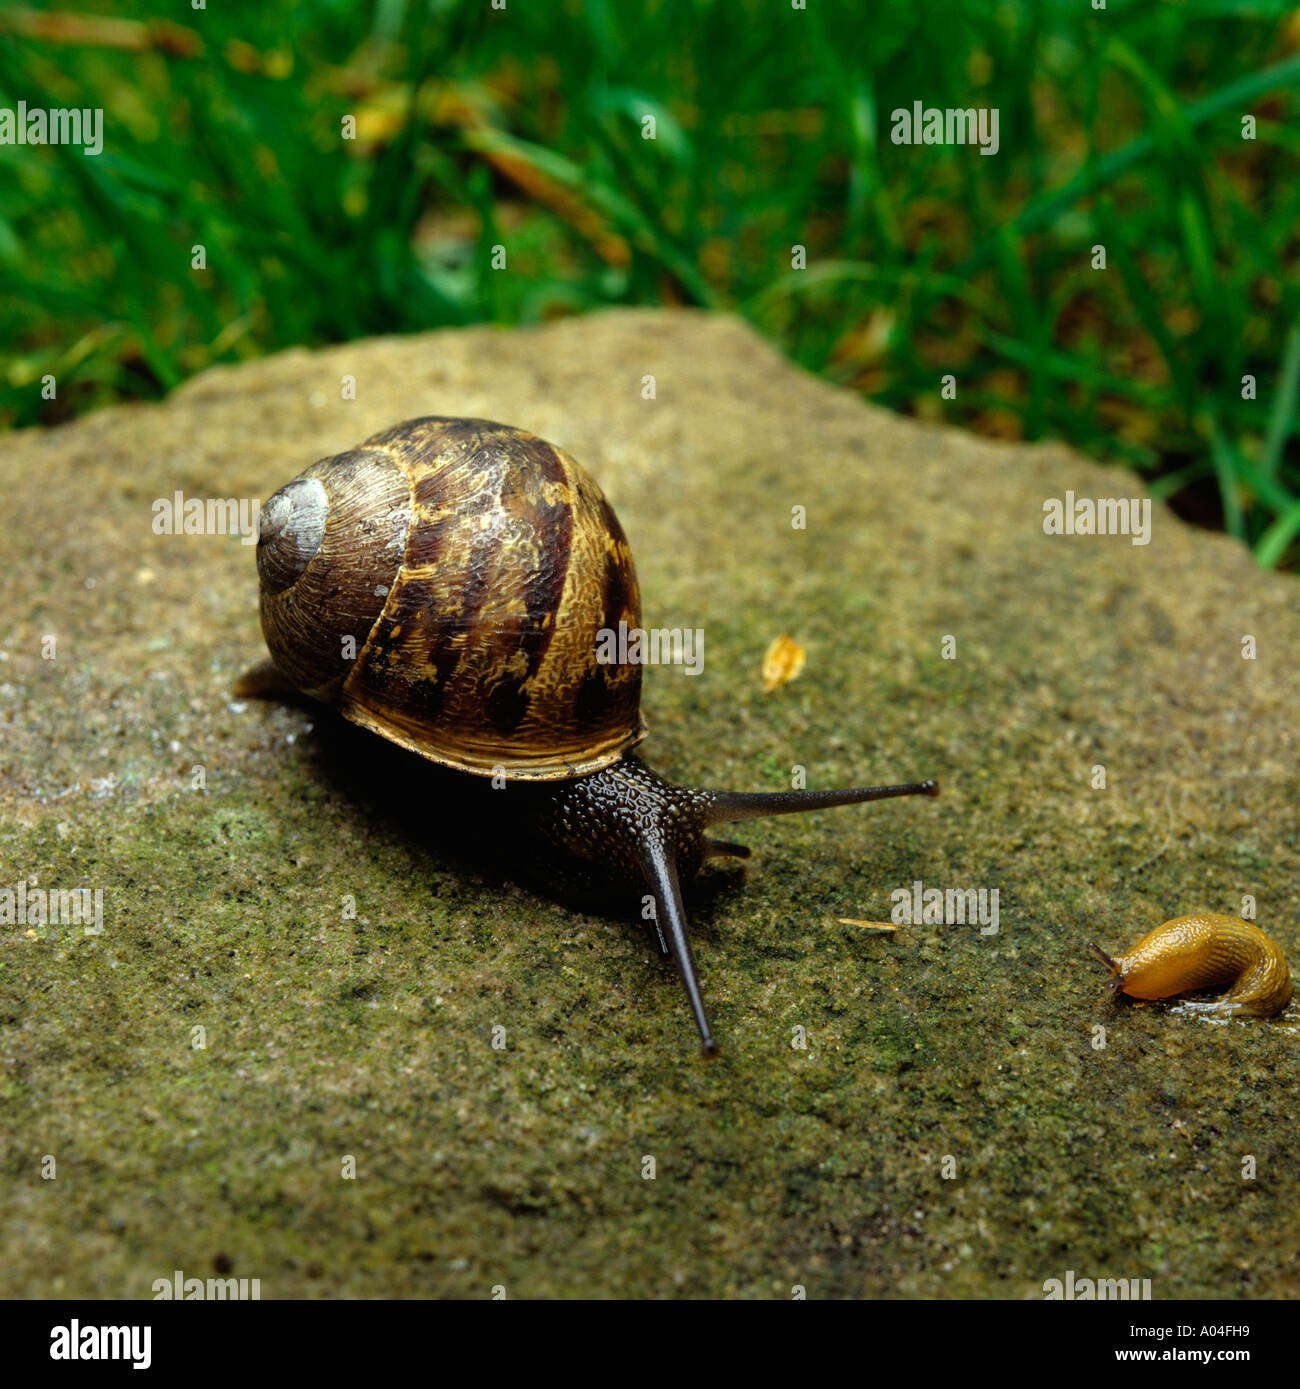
x=525, y=1167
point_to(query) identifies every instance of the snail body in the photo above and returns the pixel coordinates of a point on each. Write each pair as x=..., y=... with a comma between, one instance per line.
x=444, y=584
x=1191, y=953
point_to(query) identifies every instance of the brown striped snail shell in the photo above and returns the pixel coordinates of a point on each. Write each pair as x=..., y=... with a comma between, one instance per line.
x=470, y=566
x=443, y=584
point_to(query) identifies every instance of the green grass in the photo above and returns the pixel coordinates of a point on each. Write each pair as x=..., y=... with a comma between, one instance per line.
x=524, y=128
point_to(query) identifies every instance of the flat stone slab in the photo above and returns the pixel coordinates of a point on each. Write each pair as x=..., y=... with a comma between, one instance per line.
x=240, y=1076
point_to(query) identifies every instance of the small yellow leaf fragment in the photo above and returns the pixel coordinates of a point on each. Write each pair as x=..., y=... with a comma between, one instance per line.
x=782, y=663
x=870, y=925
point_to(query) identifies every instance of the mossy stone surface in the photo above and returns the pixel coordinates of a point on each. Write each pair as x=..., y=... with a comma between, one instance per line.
x=951, y=1128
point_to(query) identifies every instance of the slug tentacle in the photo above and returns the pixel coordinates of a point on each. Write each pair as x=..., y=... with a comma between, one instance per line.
x=1192, y=953
x=1114, y=983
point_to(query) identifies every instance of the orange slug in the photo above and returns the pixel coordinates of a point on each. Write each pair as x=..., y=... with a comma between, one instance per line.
x=1200, y=952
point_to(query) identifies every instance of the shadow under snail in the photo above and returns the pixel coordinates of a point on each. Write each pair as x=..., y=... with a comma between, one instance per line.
x=444, y=585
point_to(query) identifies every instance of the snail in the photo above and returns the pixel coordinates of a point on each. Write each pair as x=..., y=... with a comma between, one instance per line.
x=445, y=584
x=1202, y=952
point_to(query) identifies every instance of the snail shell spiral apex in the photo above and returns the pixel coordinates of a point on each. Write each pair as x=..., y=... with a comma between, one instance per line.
x=291, y=527
x=444, y=584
